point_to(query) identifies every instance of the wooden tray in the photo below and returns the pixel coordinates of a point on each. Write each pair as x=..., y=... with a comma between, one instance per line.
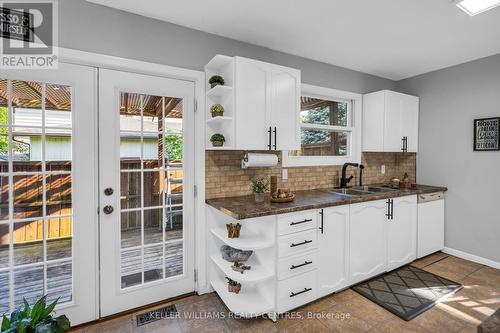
x=281, y=200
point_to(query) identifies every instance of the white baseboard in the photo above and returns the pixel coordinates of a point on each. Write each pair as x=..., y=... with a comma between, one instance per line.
x=472, y=257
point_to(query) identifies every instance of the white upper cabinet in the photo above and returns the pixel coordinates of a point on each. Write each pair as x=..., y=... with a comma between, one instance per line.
x=390, y=122
x=266, y=109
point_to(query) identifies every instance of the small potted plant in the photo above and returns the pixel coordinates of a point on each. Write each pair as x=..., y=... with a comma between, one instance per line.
x=216, y=80
x=38, y=318
x=217, y=110
x=217, y=140
x=233, y=286
x=259, y=187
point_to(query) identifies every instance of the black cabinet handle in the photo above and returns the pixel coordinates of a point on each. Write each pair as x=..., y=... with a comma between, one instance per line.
x=392, y=209
x=292, y=294
x=388, y=214
x=269, y=140
x=406, y=144
x=403, y=144
x=322, y=213
x=300, y=222
x=301, y=265
x=275, y=137
x=302, y=243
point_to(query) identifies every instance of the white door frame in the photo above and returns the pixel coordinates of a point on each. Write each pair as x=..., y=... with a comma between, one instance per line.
x=198, y=77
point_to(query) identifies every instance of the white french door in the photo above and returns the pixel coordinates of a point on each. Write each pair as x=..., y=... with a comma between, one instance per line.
x=146, y=158
x=48, y=189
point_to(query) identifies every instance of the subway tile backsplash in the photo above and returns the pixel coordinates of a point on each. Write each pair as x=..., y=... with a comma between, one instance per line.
x=225, y=178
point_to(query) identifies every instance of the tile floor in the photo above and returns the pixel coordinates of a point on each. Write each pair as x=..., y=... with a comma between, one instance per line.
x=345, y=311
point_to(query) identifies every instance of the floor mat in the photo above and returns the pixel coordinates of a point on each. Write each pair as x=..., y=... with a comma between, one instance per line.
x=407, y=291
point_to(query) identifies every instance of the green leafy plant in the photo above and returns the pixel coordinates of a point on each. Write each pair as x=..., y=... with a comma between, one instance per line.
x=260, y=185
x=217, y=110
x=36, y=319
x=173, y=146
x=217, y=138
x=215, y=80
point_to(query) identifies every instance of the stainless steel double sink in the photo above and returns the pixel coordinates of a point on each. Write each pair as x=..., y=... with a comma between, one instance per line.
x=361, y=190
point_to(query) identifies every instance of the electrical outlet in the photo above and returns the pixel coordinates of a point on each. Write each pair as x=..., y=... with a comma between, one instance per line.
x=284, y=174
x=382, y=169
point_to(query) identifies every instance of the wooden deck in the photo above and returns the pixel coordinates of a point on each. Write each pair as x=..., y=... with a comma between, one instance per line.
x=28, y=282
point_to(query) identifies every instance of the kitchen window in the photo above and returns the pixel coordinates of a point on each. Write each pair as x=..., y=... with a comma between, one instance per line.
x=330, y=128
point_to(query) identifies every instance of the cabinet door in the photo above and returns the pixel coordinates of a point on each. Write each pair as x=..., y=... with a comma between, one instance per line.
x=368, y=240
x=402, y=232
x=373, y=121
x=285, y=107
x=392, y=122
x=333, y=238
x=409, y=121
x=252, y=100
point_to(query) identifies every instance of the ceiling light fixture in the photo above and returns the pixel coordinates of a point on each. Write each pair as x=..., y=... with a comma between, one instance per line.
x=474, y=7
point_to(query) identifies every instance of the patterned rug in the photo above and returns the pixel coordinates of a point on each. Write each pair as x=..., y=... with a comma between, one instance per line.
x=407, y=291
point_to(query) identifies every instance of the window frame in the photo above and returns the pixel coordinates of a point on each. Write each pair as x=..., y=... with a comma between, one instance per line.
x=354, y=128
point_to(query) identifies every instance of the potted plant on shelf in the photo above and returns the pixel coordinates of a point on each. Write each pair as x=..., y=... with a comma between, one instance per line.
x=217, y=110
x=35, y=319
x=233, y=286
x=217, y=140
x=259, y=187
x=216, y=80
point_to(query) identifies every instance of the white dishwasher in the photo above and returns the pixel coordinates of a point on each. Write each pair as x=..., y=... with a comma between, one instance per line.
x=430, y=235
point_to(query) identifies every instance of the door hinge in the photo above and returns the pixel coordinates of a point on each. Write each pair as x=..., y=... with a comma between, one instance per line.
x=195, y=275
x=195, y=105
x=195, y=190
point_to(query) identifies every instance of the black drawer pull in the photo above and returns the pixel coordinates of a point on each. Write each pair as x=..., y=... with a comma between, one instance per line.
x=304, y=264
x=292, y=294
x=300, y=222
x=298, y=244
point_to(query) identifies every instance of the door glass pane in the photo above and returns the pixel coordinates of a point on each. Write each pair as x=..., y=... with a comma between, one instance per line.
x=151, y=156
x=35, y=192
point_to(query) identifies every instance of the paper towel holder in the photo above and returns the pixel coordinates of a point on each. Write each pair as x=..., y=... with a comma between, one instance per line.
x=245, y=159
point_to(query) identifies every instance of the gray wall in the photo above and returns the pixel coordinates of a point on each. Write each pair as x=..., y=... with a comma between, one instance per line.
x=93, y=28
x=450, y=99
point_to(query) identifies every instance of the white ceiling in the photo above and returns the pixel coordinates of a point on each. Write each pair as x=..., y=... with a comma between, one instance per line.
x=395, y=39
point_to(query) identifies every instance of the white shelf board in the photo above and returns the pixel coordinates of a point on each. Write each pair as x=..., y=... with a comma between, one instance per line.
x=257, y=273
x=246, y=241
x=219, y=148
x=247, y=303
x=218, y=120
x=220, y=91
x=218, y=62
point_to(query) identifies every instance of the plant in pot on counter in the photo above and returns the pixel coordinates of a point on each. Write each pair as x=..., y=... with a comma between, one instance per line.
x=217, y=110
x=216, y=80
x=217, y=140
x=259, y=187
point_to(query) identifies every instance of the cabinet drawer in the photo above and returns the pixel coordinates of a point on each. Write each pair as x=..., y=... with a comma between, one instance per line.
x=296, y=291
x=294, y=222
x=297, y=265
x=297, y=243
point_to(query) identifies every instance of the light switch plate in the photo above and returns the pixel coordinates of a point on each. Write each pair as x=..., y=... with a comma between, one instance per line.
x=382, y=169
x=284, y=174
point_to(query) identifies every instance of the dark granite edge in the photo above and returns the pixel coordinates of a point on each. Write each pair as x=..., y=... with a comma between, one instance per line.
x=335, y=200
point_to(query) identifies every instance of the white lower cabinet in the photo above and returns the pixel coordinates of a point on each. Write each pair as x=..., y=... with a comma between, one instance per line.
x=296, y=291
x=402, y=232
x=368, y=240
x=333, y=249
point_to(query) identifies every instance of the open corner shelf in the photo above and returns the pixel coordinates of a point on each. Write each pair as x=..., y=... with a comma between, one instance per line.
x=220, y=91
x=246, y=241
x=218, y=62
x=218, y=120
x=247, y=303
x=256, y=274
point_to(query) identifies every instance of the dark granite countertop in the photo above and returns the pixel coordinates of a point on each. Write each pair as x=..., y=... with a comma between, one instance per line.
x=244, y=207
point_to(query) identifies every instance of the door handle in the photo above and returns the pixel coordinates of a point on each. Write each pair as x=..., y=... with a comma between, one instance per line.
x=108, y=209
x=321, y=212
x=269, y=140
x=292, y=294
x=302, y=243
x=108, y=191
x=275, y=130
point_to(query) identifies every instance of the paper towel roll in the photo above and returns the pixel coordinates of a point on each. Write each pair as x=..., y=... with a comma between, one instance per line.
x=254, y=160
